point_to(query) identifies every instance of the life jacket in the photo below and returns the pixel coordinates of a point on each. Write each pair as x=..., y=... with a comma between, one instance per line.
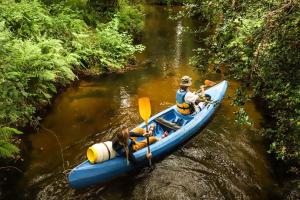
x=183, y=107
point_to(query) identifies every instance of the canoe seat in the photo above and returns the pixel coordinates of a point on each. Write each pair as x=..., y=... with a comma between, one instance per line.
x=167, y=123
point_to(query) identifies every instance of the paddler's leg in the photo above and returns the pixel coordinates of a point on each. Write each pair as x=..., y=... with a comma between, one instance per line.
x=139, y=145
x=139, y=132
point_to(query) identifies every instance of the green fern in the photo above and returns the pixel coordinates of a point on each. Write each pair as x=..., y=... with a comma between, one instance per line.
x=43, y=44
x=7, y=149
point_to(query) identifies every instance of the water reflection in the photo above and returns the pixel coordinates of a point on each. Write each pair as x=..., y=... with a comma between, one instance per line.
x=178, y=42
x=125, y=98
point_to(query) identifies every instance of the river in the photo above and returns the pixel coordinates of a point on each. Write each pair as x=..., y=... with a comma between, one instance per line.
x=224, y=161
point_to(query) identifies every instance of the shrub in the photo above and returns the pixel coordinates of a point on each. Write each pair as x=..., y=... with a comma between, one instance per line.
x=131, y=20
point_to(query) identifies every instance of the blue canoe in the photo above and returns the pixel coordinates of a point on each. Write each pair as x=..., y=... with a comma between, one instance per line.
x=179, y=127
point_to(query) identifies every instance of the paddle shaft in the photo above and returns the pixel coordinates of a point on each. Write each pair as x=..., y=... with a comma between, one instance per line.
x=145, y=112
x=148, y=143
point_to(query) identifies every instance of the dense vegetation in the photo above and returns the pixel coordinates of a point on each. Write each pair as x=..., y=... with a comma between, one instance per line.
x=44, y=43
x=258, y=43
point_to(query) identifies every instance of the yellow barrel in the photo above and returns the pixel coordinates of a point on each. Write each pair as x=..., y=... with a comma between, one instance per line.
x=101, y=152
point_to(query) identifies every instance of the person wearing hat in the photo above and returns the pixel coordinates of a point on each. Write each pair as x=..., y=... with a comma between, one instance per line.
x=186, y=100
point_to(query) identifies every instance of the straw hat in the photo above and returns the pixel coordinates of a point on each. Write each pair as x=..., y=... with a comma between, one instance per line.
x=186, y=81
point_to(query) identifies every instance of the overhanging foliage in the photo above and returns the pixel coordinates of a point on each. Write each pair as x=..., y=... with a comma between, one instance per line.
x=42, y=45
x=258, y=43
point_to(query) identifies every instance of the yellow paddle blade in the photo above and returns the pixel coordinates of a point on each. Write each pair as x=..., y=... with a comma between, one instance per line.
x=209, y=83
x=145, y=108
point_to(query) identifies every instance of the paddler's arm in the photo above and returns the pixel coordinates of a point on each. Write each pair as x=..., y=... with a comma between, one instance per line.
x=202, y=91
x=201, y=95
x=140, y=132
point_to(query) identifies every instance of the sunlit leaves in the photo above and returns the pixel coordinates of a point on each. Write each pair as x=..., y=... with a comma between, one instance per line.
x=6, y=148
x=242, y=117
x=116, y=46
x=131, y=20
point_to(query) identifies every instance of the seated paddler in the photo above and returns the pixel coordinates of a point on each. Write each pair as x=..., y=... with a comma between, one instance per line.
x=126, y=142
x=188, y=102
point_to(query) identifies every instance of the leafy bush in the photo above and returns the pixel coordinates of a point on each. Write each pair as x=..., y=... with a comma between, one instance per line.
x=29, y=71
x=258, y=43
x=26, y=19
x=116, y=47
x=41, y=47
x=130, y=19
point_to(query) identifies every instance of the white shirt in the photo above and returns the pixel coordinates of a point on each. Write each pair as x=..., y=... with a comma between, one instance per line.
x=191, y=97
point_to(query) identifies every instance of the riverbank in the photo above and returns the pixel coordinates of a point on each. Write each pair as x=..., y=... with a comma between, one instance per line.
x=288, y=180
x=54, y=43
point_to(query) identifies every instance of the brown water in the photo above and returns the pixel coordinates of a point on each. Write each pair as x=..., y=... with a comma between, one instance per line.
x=224, y=161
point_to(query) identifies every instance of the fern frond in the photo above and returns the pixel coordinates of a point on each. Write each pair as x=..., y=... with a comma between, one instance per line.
x=7, y=132
x=8, y=150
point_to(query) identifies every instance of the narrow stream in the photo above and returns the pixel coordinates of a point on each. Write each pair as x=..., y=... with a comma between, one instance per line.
x=224, y=161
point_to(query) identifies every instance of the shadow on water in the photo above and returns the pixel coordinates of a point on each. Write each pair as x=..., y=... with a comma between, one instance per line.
x=225, y=161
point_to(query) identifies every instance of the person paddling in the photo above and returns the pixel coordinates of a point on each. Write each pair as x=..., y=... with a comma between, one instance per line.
x=187, y=102
x=125, y=142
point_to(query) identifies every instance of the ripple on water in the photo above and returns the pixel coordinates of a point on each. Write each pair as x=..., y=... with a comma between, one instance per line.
x=216, y=164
